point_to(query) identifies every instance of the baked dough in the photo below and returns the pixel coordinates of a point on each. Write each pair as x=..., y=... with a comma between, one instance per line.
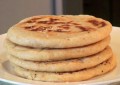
x=63, y=31
x=68, y=76
x=34, y=54
x=64, y=65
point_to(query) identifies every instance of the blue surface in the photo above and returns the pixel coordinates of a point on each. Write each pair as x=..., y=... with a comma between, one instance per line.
x=5, y=83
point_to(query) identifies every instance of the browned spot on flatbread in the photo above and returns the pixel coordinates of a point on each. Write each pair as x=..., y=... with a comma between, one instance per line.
x=30, y=21
x=103, y=24
x=29, y=27
x=33, y=28
x=42, y=28
x=36, y=18
x=39, y=26
x=75, y=24
x=53, y=24
x=33, y=20
x=44, y=22
x=52, y=19
x=49, y=22
x=60, y=30
x=85, y=28
x=94, y=22
x=97, y=23
x=65, y=26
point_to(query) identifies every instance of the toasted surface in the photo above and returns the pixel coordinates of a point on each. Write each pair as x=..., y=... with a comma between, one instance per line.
x=65, y=65
x=69, y=76
x=34, y=54
x=59, y=31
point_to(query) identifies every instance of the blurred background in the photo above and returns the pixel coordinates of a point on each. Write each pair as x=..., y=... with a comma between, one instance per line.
x=12, y=11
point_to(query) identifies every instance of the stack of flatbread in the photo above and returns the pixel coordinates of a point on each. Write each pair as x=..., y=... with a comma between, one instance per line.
x=63, y=48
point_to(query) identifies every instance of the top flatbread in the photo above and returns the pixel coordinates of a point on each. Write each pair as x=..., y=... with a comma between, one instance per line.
x=59, y=31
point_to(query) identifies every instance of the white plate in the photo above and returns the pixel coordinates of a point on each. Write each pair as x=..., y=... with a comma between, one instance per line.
x=111, y=77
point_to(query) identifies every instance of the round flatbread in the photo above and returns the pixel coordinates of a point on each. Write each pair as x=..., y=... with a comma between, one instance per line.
x=34, y=54
x=65, y=65
x=59, y=31
x=69, y=76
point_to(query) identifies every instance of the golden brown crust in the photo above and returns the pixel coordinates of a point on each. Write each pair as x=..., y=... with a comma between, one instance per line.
x=69, y=76
x=71, y=31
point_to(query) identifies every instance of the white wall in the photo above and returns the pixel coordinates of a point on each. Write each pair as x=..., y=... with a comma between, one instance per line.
x=12, y=11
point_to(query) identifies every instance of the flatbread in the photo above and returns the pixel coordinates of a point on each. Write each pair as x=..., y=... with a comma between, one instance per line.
x=33, y=54
x=63, y=31
x=65, y=65
x=85, y=74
